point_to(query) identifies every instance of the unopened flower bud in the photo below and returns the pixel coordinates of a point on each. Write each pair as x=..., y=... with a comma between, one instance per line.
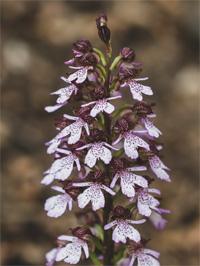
x=128, y=73
x=83, y=46
x=128, y=54
x=103, y=30
x=120, y=212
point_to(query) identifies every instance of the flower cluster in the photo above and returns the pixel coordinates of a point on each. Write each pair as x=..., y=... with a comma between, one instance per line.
x=98, y=153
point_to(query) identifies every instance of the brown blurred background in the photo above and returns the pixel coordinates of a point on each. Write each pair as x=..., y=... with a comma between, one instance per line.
x=37, y=38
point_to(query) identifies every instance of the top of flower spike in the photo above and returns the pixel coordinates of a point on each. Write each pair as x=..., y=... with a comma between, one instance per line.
x=103, y=30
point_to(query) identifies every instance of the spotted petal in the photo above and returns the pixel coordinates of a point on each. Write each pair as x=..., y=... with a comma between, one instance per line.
x=152, y=130
x=80, y=75
x=131, y=143
x=146, y=202
x=159, y=168
x=128, y=181
x=56, y=205
x=123, y=230
x=70, y=254
x=144, y=260
x=51, y=256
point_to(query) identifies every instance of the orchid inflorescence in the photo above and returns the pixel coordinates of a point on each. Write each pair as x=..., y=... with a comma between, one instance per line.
x=106, y=148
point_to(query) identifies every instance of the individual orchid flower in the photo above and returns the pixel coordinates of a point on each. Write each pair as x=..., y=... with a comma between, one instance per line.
x=129, y=180
x=64, y=95
x=57, y=205
x=132, y=142
x=61, y=168
x=74, y=130
x=71, y=253
x=137, y=89
x=102, y=105
x=159, y=168
x=97, y=151
x=80, y=75
x=93, y=194
x=123, y=230
x=145, y=257
x=157, y=220
x=151, y=129
x=145, y=202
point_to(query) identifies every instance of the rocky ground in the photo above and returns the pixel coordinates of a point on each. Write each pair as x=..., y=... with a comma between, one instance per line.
x=36, y=40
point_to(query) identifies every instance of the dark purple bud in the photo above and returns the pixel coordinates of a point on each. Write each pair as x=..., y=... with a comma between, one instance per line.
x=82, y=232
x=85, y=60
x=84, y=113
x=143, y=108
x=62, y=123
x=103, y=30
x=83, y=46
x=72, y=147
x=72, y=191
x=128, y=73
x=120, y=213
x=96, y=135
x=128, y=54
x=99, y=93
x=124, y=124
x=133, y=246
x=118, y=164
x=98, y=176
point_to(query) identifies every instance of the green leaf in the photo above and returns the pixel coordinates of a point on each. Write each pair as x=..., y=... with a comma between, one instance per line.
x=118, y=153
x=103, y=71
x=131, y=205
x=101, y=120
x=120, y=109
x=113, y=83
x=101, y=165
x=100, y=231
x=98, y=244
x=117, y=195
x=94, y=258
x=115, y=62
x=103, y=60
x=119, y=254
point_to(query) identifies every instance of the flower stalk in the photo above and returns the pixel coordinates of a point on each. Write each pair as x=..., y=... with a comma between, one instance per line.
x=100, y=155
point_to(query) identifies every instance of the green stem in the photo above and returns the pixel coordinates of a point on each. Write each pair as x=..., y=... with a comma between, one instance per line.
x=108, y=243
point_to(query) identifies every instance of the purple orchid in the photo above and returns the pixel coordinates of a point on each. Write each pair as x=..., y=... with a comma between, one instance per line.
x=137, y=89
x=159, y=168
x=145, y=202
x=151, y=129
x=80, y=75
x=57, y=205
x=132, y=142
x=123, y=230
x=93, y=194
x=97, y=151
x=61, y=168
x=85, y=143
x=64, y=95
x=145, y=257
x=74, y=130
x=102, y=105
x=129, y=180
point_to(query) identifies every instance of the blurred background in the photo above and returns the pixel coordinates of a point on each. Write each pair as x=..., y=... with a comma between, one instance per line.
x=37, y=38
